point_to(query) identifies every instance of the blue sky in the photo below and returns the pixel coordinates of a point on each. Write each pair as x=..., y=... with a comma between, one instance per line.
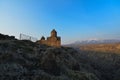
x=75, y=20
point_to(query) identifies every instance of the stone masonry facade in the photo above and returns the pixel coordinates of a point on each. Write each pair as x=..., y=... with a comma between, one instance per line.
x=53, y=40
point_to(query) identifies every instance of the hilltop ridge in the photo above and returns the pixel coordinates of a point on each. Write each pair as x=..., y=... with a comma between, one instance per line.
x=6, y=37
x=26, y=60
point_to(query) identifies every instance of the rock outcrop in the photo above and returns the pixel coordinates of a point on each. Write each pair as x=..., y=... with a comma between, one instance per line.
x=6, y=37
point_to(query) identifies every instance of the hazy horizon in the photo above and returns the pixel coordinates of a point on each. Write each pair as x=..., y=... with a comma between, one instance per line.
x=74, y=20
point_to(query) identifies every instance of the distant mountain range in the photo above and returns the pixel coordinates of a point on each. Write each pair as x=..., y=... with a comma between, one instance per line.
x=95, y=42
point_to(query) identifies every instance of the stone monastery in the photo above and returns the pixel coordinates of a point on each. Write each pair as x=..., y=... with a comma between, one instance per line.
x=53, y=40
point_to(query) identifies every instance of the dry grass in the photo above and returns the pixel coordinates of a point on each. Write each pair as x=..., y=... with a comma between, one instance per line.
x=112, y=48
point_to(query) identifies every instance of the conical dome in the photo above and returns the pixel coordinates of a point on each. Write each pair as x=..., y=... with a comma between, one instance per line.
x=53, y=33
x=42, y=38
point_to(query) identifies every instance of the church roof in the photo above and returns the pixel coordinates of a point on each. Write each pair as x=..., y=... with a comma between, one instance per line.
x=42, y=38
x=53, y=30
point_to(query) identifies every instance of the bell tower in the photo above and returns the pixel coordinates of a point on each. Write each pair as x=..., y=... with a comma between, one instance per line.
x=53, y=33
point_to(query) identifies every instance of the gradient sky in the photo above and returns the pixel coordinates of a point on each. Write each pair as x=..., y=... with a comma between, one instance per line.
x=75, y=20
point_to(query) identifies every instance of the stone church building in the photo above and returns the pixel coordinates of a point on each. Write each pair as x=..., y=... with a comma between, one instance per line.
x=53, y=40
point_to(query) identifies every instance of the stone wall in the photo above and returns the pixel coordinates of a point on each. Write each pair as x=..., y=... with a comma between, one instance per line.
x=50, y=42
x=54, y=41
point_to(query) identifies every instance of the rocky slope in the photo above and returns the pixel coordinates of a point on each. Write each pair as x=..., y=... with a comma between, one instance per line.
x=25, y=60
x=6, y=37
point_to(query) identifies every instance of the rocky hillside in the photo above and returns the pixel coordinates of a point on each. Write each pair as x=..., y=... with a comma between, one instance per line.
x=6, y=37
x=25, y=60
